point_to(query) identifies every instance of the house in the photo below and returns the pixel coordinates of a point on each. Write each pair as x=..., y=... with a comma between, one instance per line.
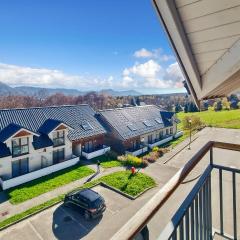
x=135, y=129
x=37, y=141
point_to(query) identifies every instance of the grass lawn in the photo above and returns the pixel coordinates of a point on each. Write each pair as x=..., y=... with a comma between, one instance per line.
x=222, y=119
x=106, y=162
x=128, y=183
x=47, y=183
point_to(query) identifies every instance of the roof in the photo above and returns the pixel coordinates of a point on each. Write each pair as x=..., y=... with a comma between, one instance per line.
x=42, y=141
x=10, y=130
x=134, y=121
x=205, y=36
x=43, y=119
x=49, y=125
x=4, y=150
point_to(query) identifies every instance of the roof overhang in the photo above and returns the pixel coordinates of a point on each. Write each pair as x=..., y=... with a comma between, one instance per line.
x=205, y=37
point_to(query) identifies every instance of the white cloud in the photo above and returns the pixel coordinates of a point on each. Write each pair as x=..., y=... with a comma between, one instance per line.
x=155, y=54
x=143, y=53
x=42, y=77
x=148, y=69
x=152, y=75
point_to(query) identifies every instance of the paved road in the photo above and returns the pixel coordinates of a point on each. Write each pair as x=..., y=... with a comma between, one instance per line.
x=63, y=223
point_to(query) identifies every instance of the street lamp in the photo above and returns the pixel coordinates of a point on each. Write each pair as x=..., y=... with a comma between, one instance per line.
x=142, y=143
x=190, y=133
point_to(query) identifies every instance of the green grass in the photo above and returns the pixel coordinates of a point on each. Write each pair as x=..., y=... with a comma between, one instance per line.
x=128, y=183
x=221, y=119
x=106, y=162
x=123, y=181
x=47, y=183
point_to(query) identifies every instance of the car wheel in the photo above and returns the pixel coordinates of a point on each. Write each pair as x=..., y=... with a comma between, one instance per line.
x=86, y=215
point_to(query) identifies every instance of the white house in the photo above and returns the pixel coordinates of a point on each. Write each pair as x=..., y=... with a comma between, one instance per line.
x=38, y=141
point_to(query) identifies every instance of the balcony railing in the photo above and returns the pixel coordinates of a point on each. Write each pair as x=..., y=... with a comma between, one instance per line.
x=161, y=141
x=95, y=152
x=138, y=150
x=194, y=218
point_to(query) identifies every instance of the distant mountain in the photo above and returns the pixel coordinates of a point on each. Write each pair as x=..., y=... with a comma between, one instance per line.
x=33, y=91
x=7, y=90
x=114, y=93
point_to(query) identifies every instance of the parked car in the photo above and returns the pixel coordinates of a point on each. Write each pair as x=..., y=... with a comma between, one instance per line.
x=87, y=201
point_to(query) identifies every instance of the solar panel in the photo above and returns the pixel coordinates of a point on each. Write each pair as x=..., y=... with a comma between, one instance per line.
x=159, y=120
x=132, y=127
x=86, y=126
x=147, y=123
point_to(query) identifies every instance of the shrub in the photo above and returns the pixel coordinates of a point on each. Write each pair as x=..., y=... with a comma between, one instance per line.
x=155, y=149
x=131, y=160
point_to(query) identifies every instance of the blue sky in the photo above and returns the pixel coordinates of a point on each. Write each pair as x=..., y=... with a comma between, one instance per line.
x=86, y=45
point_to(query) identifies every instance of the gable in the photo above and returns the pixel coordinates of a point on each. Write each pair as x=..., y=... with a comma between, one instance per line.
x=22, y=133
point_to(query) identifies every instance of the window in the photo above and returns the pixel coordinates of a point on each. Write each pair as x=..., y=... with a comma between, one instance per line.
x=160, y=134
x=167, y=131
x=58, y=156
x=58, y=138
x=150, y=139
x=20, y=167
x=86, y=126
x=171, y=131
x=147, y=123
x=20, y=146
x=159, y=120
x=132, y=127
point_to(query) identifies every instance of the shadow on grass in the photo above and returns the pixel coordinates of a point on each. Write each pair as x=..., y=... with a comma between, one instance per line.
x=93, y=176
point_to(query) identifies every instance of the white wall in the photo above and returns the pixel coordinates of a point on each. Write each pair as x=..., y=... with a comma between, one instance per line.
x=34, y=175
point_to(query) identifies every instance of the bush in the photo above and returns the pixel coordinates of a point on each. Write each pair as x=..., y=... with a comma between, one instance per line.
x=155, y=149
x=131, y=160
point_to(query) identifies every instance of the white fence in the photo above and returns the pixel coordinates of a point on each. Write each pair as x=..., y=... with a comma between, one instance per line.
x=96, y=153
x=37, y=174
x=165, y=140
x=138, y=152
x=178, y=134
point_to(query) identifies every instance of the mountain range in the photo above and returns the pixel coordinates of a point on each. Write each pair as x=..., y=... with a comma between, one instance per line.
x=34, y=91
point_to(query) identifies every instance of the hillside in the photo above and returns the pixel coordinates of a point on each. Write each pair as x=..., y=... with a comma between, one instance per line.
x=33, y=91
x=222, y=119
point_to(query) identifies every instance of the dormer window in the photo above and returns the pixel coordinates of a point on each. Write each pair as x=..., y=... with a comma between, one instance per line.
x=20, y=146
x=58, y=138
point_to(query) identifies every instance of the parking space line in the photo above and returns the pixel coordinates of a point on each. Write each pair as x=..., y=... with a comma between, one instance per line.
x=75, y=220
x=35, y=231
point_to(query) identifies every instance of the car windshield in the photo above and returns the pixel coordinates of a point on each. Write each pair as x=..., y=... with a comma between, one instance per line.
x=97, y=203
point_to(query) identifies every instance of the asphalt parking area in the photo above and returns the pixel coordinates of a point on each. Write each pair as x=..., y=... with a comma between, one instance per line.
x=60, y=222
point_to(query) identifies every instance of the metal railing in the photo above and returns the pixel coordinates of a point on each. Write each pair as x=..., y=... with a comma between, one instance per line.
x=193, y=219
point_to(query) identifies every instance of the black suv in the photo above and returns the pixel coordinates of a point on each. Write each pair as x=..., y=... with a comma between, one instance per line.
x=88, y=201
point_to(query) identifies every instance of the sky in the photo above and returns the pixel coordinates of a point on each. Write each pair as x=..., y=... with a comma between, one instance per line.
x=86, y=45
